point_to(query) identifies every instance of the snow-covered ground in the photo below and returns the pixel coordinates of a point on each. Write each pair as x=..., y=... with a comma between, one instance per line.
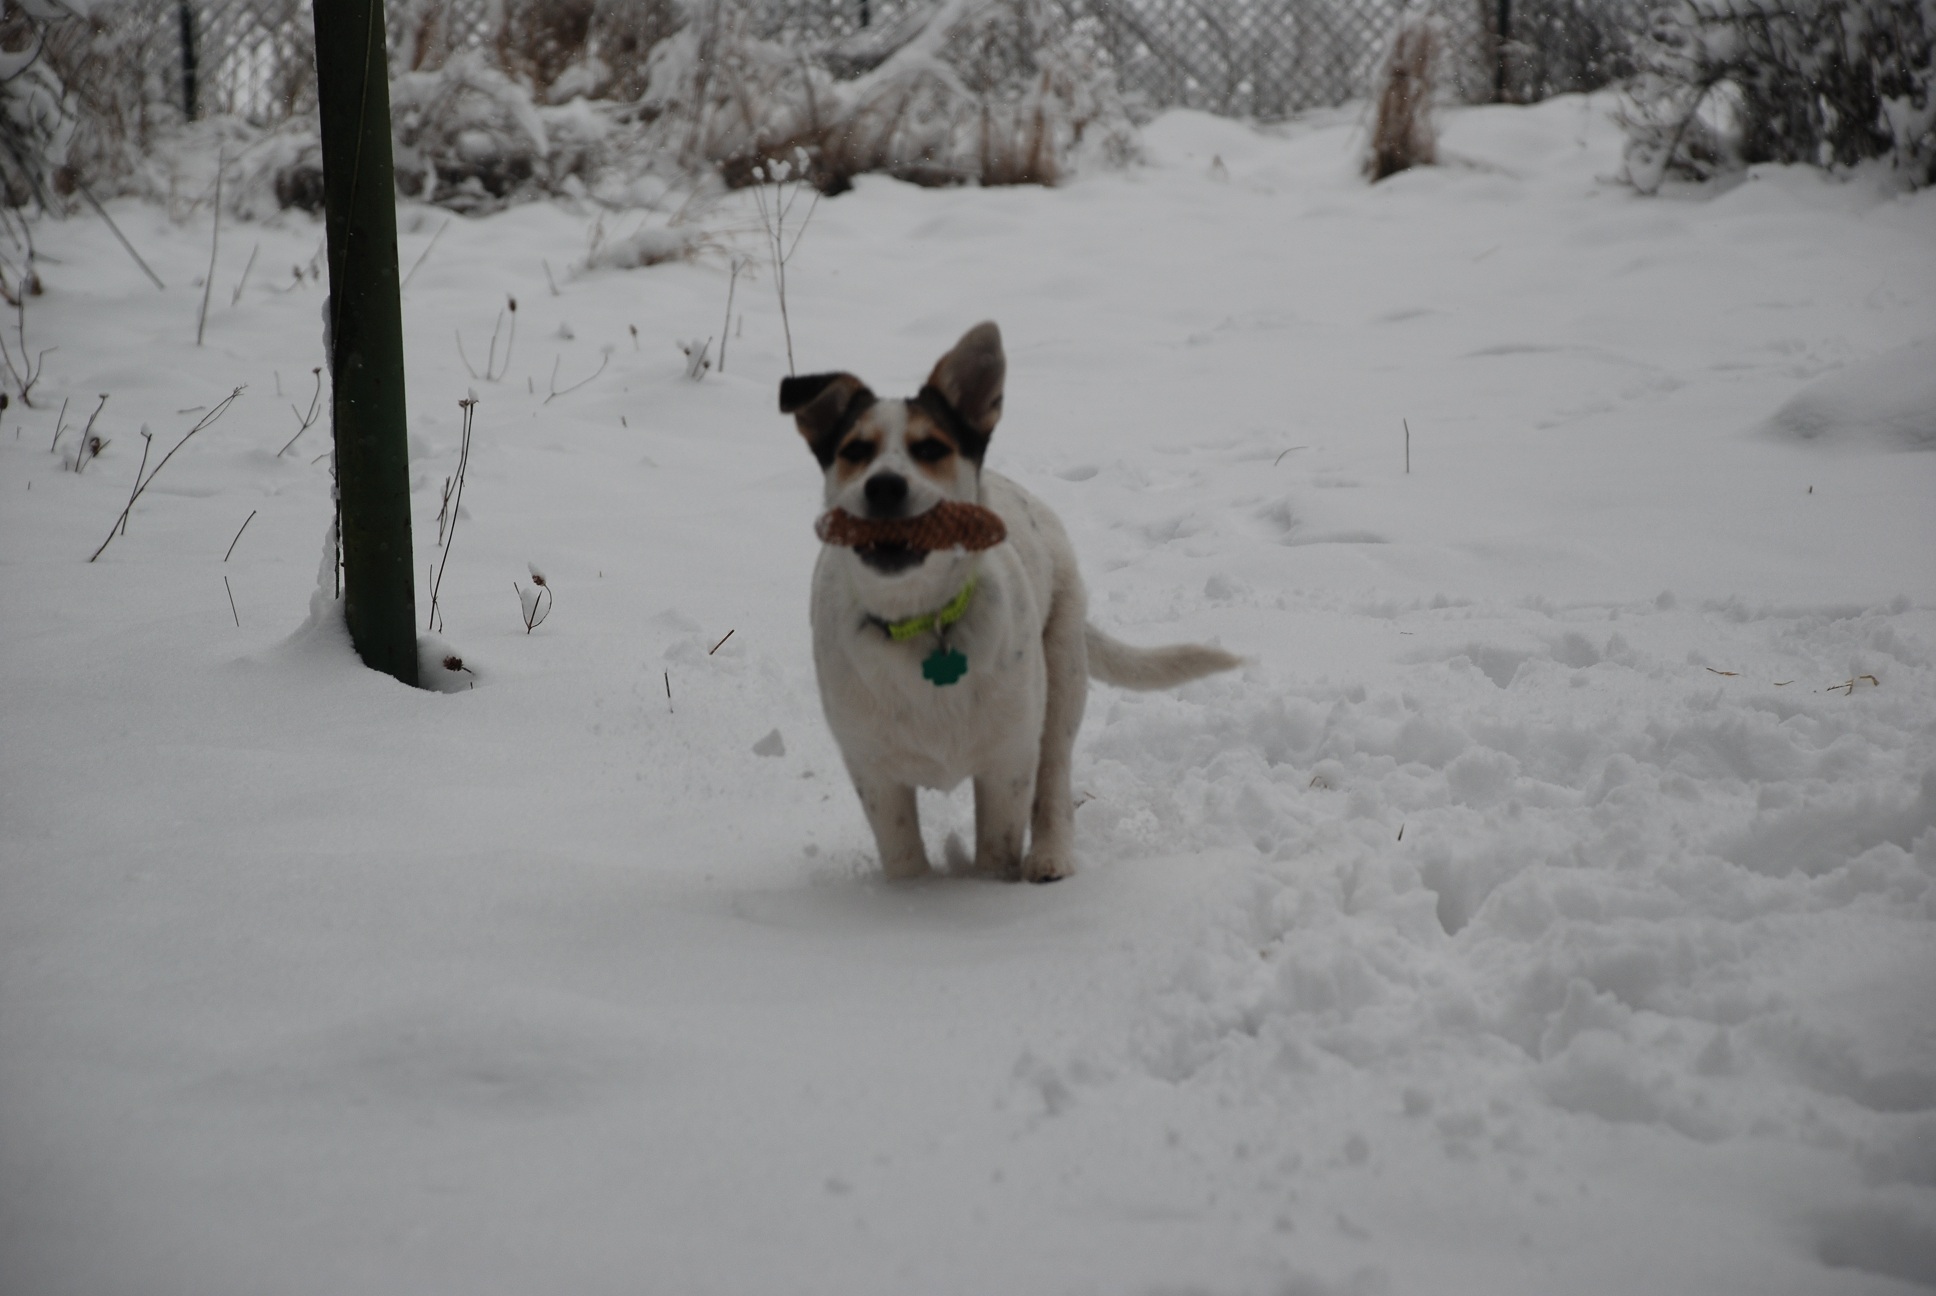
x=1582, y=943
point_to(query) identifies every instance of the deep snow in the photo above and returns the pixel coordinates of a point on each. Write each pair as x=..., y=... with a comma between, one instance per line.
x=1582, y=943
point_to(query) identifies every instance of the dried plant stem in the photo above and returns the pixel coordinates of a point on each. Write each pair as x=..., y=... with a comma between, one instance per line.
x=423, y=256
x=238, y=533
x=147, y=444
x=231, y=589
x=102, y=212
x=773, y=219
x=491, y=372
x=469, y=406
x=604, y=360
x=538, y=608
x=243, y=282
x=28, y=372
x=305, y=420
x=141, y=482
x=214, y=246
x=91, y=446
x=731, y=284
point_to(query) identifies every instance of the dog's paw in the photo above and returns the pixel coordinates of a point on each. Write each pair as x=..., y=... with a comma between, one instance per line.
x=902, y=870
x=1046, y=868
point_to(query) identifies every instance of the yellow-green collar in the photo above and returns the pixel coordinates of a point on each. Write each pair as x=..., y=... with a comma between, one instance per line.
x=955, y=609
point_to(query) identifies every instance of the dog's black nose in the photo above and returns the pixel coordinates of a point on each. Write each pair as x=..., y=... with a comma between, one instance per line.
x=886, y=494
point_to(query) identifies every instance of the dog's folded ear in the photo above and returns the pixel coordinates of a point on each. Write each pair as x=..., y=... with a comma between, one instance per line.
x=971, y=377
x=824, y=406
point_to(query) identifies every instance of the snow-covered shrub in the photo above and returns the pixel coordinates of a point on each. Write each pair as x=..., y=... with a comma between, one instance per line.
x=1557, y=47
x=78, y=104
x=1402, y=135
x=1725, y=83
x=466, y=134
x=988, y=91
x=37, y=119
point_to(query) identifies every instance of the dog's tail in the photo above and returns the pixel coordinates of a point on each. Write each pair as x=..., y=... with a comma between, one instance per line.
x=1115, y=662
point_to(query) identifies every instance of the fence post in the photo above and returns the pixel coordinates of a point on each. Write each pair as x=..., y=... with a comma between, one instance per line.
x=1499, y=66
x=186, y=11
x=366, y=335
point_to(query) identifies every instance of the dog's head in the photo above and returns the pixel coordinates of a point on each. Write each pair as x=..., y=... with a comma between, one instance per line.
x=900, y=458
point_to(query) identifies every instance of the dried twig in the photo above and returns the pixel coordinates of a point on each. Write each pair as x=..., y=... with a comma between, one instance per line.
x=28, y=371
x=214, y=245
x=141, y=483
x=773, y=219
x=722, y=639
x=238, y=534
x=423, y=256
x=243, y=282
x=102, y=212
x=147, y=444
x=231, y=589
x=534, y=603
x=604, y=360
x=731, y=284
x=306, y=421
x=491, y=372
x=469, y=406
x=91, y=445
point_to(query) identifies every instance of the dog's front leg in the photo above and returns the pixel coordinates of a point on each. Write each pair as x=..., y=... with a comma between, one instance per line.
x=1001, y=817
x=896, y=821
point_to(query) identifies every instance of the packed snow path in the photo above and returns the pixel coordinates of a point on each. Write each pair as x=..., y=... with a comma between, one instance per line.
x=1547, y=908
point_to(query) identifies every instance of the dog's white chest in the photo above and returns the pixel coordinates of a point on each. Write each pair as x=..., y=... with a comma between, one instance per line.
x=888, y=713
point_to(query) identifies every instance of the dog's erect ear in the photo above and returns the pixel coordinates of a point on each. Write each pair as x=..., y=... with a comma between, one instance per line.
x=971, y=377
x=824, y=406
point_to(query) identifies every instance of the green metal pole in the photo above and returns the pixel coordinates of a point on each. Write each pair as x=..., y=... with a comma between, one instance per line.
x=366, y=335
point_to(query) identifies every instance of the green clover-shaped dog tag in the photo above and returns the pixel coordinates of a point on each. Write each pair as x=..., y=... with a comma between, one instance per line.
x=944, y=666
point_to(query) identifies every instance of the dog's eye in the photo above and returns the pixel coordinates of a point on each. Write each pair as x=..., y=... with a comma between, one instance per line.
x=857, y=452
x=929, y=450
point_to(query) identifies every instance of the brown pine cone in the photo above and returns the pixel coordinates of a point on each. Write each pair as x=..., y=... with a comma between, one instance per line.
x=948, y=525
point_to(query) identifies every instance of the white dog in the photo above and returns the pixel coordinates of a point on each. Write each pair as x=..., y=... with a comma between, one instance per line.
x=940, y=666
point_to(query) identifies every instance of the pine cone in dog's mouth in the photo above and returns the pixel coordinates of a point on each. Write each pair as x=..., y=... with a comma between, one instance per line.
x=948, y=525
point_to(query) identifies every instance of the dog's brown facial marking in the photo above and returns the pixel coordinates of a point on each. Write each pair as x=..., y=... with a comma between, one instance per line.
x=857, y=451
x=825, y=407
x=933, y=451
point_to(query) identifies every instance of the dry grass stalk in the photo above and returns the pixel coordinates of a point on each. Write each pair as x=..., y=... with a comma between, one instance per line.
x=456, y=501
x=534, y=603
x=141, y=482
x=1402, y=136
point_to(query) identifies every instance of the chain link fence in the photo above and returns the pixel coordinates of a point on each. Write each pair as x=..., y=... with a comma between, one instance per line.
x=1262, y=59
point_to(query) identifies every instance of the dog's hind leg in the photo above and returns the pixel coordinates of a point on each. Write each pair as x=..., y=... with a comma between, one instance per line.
x=1052, y=846
x=896, y=821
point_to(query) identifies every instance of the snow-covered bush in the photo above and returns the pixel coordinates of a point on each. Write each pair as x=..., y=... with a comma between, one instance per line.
x=467, y=135
x=37, y=119
x=532, y=97
x=1725, y=83
x=1557, y=47
x=988, y=91
x=78, y=107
